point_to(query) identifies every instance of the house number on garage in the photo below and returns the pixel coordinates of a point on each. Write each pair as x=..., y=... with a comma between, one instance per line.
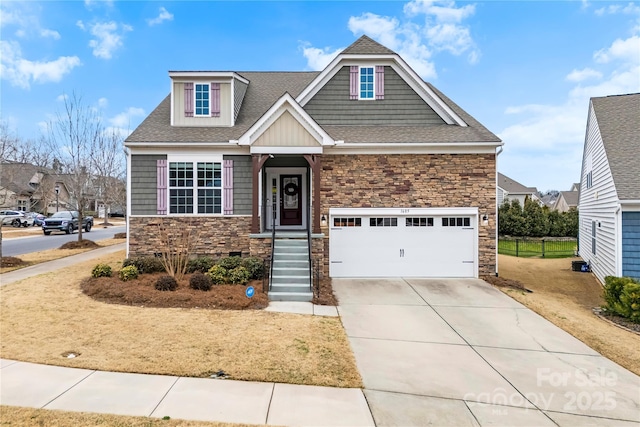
x=404, y=211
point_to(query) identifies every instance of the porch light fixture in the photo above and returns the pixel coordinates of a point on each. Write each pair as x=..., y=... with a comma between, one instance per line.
x=323, y=220
x=485, y=219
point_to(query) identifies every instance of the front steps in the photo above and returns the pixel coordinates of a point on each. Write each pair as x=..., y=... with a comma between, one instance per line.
x=290, y=280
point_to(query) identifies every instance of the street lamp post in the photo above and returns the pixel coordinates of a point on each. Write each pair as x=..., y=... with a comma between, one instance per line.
x=57, y=193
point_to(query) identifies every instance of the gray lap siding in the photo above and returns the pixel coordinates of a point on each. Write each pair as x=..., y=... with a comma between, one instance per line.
x=144, y=184
x=401, y=104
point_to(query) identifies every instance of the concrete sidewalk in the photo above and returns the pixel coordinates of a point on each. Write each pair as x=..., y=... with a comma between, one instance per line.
x=69, y=389
x=49, y=266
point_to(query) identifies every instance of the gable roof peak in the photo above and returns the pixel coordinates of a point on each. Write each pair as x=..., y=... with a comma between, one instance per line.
x=365, y=45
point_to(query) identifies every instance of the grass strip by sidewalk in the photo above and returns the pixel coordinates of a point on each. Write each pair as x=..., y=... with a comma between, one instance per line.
x=31, y=417
x=45, y=317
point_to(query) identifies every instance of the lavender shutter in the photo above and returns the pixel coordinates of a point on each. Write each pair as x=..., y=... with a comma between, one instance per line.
x=353, y=82
x=215, y=99
x=379, y=82
x=227, y=187
x=188, y=99
x=161, y=179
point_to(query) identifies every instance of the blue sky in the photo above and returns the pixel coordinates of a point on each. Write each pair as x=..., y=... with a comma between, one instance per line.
x=525, y=69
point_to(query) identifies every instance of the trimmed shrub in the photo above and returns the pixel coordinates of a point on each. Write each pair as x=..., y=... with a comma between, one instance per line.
x=166, y=283
x=145, y=265
x=200, y=282
x=622, y=295
x=201, y=264
x=612, y=289
x=101, y=270
x=129, y=272
x=239, y=276
x=255, y=266
x=229, y=263
x=218, y=275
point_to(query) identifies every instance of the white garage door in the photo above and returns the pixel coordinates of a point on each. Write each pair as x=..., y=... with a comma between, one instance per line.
x=403, y=242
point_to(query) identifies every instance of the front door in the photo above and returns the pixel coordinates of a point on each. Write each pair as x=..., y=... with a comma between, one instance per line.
x=290, y=200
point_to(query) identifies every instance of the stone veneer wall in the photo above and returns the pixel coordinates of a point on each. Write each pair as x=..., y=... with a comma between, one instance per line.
x=216, y=236
x=415, y=180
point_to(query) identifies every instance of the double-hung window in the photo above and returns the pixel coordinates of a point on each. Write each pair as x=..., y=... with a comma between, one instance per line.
x=202, y=99
x=195, y=187
x=367, y=83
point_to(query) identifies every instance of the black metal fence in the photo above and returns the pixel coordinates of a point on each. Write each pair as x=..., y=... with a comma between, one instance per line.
x=545, y=248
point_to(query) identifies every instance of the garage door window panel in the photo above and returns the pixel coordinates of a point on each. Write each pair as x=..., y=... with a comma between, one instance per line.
x=383, y=222
x=347, y=222
x=456, y=222
x=419, y=222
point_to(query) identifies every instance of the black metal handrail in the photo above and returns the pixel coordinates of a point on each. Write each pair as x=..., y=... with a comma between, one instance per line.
x=273, y=236
x=309, y=247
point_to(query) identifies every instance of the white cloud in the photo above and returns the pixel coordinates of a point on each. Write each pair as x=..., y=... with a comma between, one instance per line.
x=626, y=50
x=22, y=72
x=584, y=74
x=426, y=28
x=444, y=11
x=91, y=4
x=318, y=58
x=25, y=18
x=62, y=98
x=163, y=16
x=629, y=9
x=108, y=37
x=103, y=102
x=123, y=120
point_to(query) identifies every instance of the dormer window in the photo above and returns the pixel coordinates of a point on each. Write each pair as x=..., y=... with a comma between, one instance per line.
x=366, y=83
x=202, y=99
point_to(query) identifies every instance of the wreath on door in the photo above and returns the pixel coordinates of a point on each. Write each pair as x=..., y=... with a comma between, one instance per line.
x=291, y=189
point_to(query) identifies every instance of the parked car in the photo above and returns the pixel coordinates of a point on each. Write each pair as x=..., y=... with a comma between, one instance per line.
x=66, y=221
x=38, y=218
x=15, y=218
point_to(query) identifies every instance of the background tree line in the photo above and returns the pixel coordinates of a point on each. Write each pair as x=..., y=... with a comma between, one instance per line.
x=533, y=220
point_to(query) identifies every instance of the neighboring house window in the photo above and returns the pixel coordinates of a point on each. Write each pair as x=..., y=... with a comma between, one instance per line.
x=195, y=187
x=367, y=82
x=593, y=237
x=202, y=99
x=22, y=205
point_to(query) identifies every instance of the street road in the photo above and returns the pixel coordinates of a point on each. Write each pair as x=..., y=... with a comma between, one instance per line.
x=25, y=245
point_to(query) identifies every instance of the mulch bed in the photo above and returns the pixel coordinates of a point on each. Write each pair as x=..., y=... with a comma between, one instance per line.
x=82, y=244
x=618, y=320
x=142, y=292
x=325, y=296
x=505, y=283
x=10, y=261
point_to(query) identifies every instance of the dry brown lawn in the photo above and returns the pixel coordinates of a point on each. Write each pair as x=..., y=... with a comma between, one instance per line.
x=31, y=417
x=51, y=254
x=45, y=317
x=566, y=298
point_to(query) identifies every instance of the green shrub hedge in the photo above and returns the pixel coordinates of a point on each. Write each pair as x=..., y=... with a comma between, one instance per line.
x=129, y=272
x=101, y=270
x=622, y=297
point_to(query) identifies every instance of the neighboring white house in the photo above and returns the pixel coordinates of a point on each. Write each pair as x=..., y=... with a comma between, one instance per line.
x=509, y=189
x=609, y=205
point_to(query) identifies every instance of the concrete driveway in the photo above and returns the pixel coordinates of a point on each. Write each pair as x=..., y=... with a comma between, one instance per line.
x=459, y=352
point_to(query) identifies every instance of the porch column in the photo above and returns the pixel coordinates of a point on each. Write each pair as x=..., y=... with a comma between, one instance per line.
x=257, y=161
x=315, y=161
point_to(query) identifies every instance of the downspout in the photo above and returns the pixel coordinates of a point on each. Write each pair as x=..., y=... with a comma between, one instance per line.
x=127, y=152
x=618, y=257
x=500, y=149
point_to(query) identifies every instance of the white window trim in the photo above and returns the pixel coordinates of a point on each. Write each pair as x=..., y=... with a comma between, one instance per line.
x=373, y=67
x=195, y=159
x=194, y=99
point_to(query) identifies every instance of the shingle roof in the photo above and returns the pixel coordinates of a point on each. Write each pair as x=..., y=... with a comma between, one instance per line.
x=16, y=177
x=619, y=123
x=514, y=187
x=265, y=88
x=570, y=197
x=366, y=46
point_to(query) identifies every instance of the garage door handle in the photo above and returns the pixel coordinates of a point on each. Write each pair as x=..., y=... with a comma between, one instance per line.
x=401, y=253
